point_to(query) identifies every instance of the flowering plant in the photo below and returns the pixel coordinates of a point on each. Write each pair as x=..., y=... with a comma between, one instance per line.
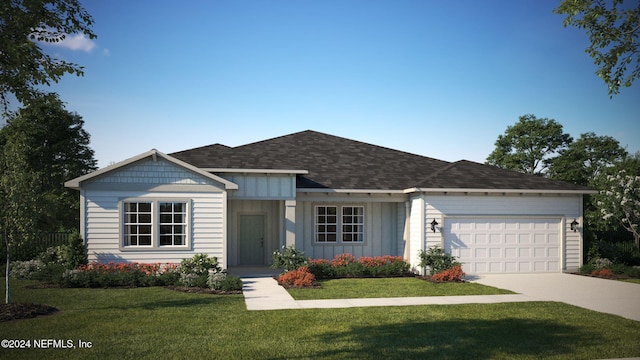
x=300, y=277
x=454, y=273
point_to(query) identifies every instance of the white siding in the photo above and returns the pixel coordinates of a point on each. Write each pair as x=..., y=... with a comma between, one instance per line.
x=262, y=186
x=380, y=234
x=102, y=228
x=417, y=230
x=565, y=207
x=160, y=172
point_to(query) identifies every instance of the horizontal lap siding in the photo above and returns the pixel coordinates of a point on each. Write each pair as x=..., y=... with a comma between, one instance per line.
x=569, y=207
x=102, y=227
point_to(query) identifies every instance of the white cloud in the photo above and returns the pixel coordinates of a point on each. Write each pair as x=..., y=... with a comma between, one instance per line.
x=76, y=42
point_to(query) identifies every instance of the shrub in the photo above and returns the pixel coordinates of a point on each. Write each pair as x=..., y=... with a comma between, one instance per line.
x=231, y=283
x=75, y=253
x=289, y=259
x=300, y=277
x=195, y=272
x=384, y=266
x=119, y=274
x=321, y=268
x=454, y=273
x=604, y=273
x=346, y=265
x=25, y=270
x=437, y=260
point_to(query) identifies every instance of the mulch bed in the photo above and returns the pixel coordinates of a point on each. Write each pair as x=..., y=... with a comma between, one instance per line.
x=16, y=311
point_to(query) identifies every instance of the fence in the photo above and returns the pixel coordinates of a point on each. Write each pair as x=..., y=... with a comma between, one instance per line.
x=32, y=245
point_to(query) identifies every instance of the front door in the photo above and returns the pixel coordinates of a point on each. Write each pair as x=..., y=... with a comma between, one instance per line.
x=251, y=239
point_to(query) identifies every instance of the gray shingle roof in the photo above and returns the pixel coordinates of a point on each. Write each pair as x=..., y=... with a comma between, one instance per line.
x=338, y=163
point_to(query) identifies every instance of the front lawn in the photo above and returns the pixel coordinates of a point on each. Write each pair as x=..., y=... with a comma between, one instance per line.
x=159, y=323
x=389, y=287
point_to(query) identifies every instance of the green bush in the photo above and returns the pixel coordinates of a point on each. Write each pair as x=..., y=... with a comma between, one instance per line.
x=321, y=268
x=231, y=283
x=289, y=259
x=437, y=260
x=195, y=272
x=75, y=253
x=346, y=265
x=25, y=270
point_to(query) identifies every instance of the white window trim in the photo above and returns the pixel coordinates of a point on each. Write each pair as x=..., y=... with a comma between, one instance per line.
x=339, y=224
x=155, y=225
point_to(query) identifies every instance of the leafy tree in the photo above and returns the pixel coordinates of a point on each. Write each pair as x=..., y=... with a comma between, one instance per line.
x=528, y=145
x=23, y=64
x=620, y=202
x=586, y=158
x=613, y=30
x=41, y=146
x=53, y=145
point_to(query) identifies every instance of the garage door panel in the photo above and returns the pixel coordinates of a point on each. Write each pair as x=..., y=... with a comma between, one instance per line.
x=504, y=244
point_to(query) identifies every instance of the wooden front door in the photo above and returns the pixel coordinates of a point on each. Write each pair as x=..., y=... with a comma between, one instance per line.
x=251, y=239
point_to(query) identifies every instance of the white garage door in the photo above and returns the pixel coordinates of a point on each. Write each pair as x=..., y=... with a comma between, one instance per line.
x=504, y=245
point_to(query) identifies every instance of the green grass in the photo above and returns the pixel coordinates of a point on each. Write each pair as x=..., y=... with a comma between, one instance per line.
x=635, y=281
x=158, y=323
x=389, y=287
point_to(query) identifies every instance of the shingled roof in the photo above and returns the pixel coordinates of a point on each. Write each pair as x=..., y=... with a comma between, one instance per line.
x=334, y=162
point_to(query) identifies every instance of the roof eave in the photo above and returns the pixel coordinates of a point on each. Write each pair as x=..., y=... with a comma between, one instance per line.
x=154, y=154
x=498, y=191
x=257, y=171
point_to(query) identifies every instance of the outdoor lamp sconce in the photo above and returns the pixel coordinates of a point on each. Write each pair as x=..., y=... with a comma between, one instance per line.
x=574, y=225
x=434, y=223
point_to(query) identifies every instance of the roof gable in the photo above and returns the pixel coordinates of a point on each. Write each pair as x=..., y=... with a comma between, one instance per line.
x=138, y=169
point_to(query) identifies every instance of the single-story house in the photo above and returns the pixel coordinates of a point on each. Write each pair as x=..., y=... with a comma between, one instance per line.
x=327, y=195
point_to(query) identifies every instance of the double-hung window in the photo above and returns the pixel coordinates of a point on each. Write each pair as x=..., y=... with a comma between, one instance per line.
x=154, y=224
x=335, y=224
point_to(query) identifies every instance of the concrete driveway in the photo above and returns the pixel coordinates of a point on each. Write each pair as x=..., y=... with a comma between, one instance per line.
x=608, y=296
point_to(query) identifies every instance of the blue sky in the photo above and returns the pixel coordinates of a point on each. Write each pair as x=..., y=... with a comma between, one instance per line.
x=437, y=78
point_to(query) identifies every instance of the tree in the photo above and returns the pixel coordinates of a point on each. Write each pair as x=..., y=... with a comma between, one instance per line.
x=613, y=30
x=586, y=158
x=528, y=145
x=41, y=147
x=54, y=146
x=23, y=65
x=620, y=202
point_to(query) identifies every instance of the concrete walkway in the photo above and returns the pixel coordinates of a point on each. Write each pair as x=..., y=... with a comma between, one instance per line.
x=262, y=292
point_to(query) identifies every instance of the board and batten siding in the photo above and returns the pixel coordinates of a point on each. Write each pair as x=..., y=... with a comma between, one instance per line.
x=380, y=229
x=154, y=180
x=566, y=208
x=262, y=186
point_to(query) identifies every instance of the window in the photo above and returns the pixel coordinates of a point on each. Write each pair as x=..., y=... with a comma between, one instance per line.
x=348, y=227
x=137, y=224
x=173, y=224
x=352, y=224
x=154, y=224
x=326, y=223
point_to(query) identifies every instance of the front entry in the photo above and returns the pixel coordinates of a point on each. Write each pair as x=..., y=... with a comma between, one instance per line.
x=251, y=239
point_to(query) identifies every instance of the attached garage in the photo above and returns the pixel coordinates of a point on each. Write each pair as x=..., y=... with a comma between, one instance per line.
x=505, y=244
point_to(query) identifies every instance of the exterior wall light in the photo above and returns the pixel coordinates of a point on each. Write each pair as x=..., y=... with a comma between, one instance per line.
x=574, y=225
x=434, y=223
